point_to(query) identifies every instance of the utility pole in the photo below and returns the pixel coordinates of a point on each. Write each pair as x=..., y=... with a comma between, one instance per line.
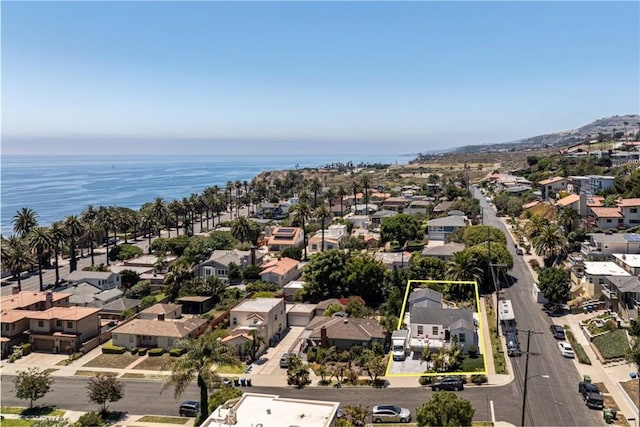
x=526, y=373
x=497, y=288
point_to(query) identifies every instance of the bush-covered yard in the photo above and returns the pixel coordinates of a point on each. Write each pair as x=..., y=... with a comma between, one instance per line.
x=470, y=364
x=612, y=345
x=118, y=361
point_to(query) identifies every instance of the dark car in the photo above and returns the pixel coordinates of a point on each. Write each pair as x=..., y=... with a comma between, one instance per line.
x=448, y=383
x=519, y=251
x=189, y=408
x=591, y=395
x=557, y=331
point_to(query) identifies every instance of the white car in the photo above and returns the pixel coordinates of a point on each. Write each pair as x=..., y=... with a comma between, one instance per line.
x=565, y=349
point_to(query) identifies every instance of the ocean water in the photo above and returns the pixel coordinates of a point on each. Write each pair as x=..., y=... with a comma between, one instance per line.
x=58, y=186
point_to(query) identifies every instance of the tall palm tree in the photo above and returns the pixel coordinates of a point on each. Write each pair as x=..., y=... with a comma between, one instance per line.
x=39, y=239
x=229, y=188
x=550, y=243
x=355, y=187
x=535, y=225
x=330, y=195
x=88, y=214
x=568, y=219
x=242, y=230
x=107, y=221
x=366, y=183
x=24, y=220
x=58, y=236
x=162, y=214
x=18, y=257
x=201, y=357
x=238, y=186
x=175, y=207
x=463, y=266
x=301, y=213
x=74, y=231
x=315, y=186
x=148, y=220
x=322, y=213
x=341, y=193
x=94, y=232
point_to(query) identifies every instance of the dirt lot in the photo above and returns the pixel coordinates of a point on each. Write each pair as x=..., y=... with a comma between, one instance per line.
x=118, y=361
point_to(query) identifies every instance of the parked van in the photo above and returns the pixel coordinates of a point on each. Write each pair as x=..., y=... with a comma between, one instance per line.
x=513, y=346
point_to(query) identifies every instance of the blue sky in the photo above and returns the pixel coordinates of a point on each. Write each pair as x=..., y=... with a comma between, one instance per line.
x=307, y=77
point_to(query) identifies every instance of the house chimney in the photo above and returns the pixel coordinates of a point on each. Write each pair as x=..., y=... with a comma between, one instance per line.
x=161, y=317
x=15, y=290
x=48, y=300
x=253, y=255
x=323, y=337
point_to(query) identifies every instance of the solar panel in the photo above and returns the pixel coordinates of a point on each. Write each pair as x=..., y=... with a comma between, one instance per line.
x=632, y=237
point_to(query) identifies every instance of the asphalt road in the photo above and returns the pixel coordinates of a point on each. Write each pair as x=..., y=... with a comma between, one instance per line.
x=552, y=401
x=144, y=397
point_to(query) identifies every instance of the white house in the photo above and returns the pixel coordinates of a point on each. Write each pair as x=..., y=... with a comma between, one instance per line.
x=436, y=327
x=596, y=273
x=267, y=314
x=217, y=265
x=440, y=228
x=100, y=279
x=630, y=209
x=332, y=237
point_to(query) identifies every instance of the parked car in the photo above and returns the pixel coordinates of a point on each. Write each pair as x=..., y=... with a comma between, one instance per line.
x=519, y=251
x=513, y=346
x=565, y=349
x=284, y=360
x=390, y=413
x=189, y=408
x=591, y=395
x=557, y=331
x=448, y=383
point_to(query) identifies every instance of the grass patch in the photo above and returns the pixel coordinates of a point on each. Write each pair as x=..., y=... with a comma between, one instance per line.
x=499, y=362
x=612, y=345
x=50, y=370
x=83, y=373
x=157, y=363
x=577, y=347
x=16, y=410
x=473, y=364
x=230, y=369
x=36, y=411
x=116, y=361
x=482, y=424
x=17, y=422
x=631, y=388
x=163, y=420
x=132, y=375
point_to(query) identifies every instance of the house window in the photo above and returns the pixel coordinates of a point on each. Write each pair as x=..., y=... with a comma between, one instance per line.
x=633, y=210
x=115, y=336
x=235, y=321
x=130, y=338
x=59, y=323
x=608, y=221
x=6, y=327
x=461, y=338
x=434, y=330
x=40, y=323
x=69, y=325
x=420, y=330
x=276, y=317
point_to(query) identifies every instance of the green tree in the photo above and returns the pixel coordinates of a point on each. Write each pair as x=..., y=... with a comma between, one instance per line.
x=245, y=230
x=464, y=266
x=32, y=384
x=297, y=372
x=222, y=395
x=293, y=253
x=445, y=409
x=104, y=388
x=477, y=234
x=426, y=267
x=40, y=240
x=301, y=213
x=325, y=275
x=402, y=228
x=24, y=220
x=550, y=243
x=322, y=213
x=554, y=284
x=568, y=219
x=58, y=235
x=197, y=363
x=365, y=276
x=357, y=414
x=17, y=257
x=74, y=230
x=147, y=302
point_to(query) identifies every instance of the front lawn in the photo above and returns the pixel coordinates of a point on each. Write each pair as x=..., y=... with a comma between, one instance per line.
x=163, y=420
x=612, y=345
x=17, y=422
x=36, y=411
x=230, y=369
x=116, y=361
x=473, y=364
x=156, y=363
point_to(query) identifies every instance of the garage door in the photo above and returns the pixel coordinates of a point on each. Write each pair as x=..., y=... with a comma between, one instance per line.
x=43, y=345
x=298, y=319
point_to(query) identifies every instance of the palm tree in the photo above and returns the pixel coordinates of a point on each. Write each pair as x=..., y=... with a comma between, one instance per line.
x=242, y=230
x=24, y=220
x=201, y=357
x=341, y=193
x=366, y=183
x=330, y=195
x=463, y=266
x=58, y=235
x=107, y=221
x=74, y=230
x=568, y=219
x=322, y=213
x=535, y=225
x=302, y=212
x=550, y=243
x=315, y=186
x=229, y=188
x=161, y=214
x=39, y=239
x=18, y=257
x=94, y=233
x=355, y=187
x=175, y=207
x=148, y=220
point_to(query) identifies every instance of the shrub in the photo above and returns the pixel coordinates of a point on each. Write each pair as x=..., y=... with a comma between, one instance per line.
x=479, y=379
x=473, y=350
x=425, y=380
x=134, y=350
x=312, y=354
x=156, y=352
x=113, y=349
x=26, y=349
x=534, y=264
x=577, y=347
x=612, y=345
x=90, y=419
x=142, y=351
x=176, y=352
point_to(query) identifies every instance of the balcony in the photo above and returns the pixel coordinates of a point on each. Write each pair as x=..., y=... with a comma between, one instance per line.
x=611, y=293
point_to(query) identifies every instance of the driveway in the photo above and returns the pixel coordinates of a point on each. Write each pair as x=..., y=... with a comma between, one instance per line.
x=269, y=362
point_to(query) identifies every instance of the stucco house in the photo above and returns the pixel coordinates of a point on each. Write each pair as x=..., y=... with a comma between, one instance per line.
x=267, y=313
x=603, y=245
x=552, y=186
x=281, y=238
x=443, y=252
x=440, y=228
x=345, y=332
x=63, y=329
x=162, y=312
x=438, y=327
x=100, y=279
x=217, y=265
x=155, y=333
x=280, y=271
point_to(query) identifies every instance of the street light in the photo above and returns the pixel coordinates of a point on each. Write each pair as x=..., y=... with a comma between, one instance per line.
x=524, y=395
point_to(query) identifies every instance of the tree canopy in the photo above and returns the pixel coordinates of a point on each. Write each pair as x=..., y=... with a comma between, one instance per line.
x=104, y=388
x=445, y=409
x=32, y=384
x=477, y=234
x=402, y=227
x=554, y=284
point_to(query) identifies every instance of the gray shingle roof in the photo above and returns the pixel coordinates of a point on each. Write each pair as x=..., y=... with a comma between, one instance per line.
x=427, y=295
x=440, y=316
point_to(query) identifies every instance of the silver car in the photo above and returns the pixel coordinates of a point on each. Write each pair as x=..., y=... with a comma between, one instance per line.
x=390, y=413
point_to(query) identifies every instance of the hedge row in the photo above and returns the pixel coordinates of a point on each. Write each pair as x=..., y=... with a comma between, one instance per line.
x=113, y=349
x=176, y=352
x=26, y=349
x=577, y=347
x=156, y=352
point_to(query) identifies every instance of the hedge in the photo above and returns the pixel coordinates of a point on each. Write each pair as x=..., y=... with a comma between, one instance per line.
x=156, y=352
x=113, y=349
x=577, y=347
x=176, y=352
x=142, y=351
x=26, y=349
x=134, y=350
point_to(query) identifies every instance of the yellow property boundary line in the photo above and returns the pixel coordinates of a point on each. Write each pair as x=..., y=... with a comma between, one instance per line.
x=479, y=332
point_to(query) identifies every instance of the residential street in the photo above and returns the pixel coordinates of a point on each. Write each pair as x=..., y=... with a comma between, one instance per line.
x=553, y=400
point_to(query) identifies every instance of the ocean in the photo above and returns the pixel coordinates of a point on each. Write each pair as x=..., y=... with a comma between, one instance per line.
x=58, y=186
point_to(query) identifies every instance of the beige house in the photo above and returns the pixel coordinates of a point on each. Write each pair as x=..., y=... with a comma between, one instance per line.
x=282, y=238
x=280, y=271
x=157, y=333
x=161, y=312
x=345, y=332
x=63, y=329
x=267, y=314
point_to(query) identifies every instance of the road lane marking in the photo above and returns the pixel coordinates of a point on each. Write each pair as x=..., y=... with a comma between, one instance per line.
x=493, y=412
